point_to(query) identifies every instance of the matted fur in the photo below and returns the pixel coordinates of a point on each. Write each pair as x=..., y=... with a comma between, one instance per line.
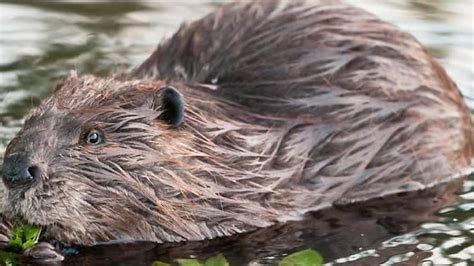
x=290, y=107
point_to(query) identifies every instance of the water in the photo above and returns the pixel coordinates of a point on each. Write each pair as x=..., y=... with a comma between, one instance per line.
x=41, y=41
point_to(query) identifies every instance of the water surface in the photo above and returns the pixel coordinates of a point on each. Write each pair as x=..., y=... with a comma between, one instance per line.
x=40, y=41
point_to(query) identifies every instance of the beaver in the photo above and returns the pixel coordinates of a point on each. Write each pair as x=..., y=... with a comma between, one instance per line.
x=254, y=115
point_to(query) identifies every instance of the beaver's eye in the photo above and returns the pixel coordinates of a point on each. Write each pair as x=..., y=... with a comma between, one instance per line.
x=93, y=137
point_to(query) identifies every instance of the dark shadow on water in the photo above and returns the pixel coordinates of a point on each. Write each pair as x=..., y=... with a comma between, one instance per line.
x=335, y=233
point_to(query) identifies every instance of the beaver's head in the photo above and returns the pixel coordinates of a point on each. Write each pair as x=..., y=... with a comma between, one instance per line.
x=84, y=165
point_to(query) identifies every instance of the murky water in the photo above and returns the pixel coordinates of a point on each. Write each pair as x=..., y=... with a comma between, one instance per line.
x=40, y=41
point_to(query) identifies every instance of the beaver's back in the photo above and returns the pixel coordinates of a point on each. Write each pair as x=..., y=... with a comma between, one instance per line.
x=361, y=108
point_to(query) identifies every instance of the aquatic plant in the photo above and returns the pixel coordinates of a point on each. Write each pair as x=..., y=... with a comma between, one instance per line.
x=23, y=237
x=306, y=257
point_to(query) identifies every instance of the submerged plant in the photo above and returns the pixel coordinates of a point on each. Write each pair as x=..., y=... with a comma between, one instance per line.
x=218, y=260
x=306, y=257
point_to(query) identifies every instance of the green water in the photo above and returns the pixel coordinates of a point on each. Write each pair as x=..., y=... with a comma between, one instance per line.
x=40, y=41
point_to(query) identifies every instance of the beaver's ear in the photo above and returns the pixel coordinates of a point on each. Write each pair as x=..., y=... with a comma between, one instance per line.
x=171, y=105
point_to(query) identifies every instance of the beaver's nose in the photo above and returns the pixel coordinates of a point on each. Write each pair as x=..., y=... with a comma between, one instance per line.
x=17, y=170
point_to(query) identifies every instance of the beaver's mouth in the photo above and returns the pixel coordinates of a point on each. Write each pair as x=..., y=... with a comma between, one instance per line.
x=18, y=221
x=27, y=208
x=20, y=218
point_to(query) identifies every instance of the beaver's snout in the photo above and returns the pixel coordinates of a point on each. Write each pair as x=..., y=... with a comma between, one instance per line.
x=19, y=170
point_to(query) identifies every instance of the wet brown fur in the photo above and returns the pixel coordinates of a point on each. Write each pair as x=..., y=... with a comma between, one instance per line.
x=290, y=107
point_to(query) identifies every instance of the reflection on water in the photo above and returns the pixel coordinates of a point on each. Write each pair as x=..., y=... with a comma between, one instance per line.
x=40, y=41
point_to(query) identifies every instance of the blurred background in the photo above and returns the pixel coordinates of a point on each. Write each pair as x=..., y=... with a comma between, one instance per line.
x=41, y=40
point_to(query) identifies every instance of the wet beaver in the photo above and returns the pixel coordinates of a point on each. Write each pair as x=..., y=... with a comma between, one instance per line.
x=253, y=115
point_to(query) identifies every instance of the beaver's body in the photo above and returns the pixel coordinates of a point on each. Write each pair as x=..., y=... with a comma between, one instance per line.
x=289, y=107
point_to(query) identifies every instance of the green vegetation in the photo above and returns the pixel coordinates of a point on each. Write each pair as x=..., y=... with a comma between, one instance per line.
x=307, y=257
x=23, y=237
x=302, y=258
x=218, y=260
x=8, y=258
